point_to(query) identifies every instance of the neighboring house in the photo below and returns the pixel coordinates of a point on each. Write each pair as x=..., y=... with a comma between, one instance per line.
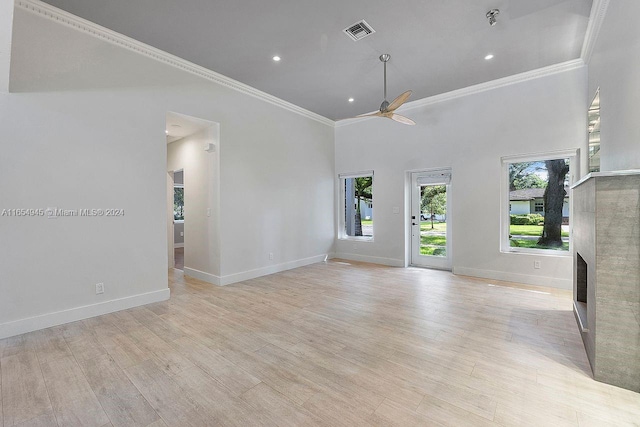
x=366, y=209
x=531, y=200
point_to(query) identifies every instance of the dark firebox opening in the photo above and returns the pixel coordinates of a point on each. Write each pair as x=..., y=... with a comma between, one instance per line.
x=581, y=280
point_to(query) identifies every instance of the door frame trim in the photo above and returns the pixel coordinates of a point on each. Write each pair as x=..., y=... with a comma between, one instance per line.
x=409, y=179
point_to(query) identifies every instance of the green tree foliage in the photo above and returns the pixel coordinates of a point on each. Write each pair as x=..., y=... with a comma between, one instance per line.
x=178, y=203
x=531, y=180
x=434, y=200
x=524, y=175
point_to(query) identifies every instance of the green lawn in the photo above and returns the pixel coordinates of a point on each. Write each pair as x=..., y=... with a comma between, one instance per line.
x=433, y=251
x=437, y=226
x=533, y=244
x=433, y=240
x=530, y=230
x=433, y=244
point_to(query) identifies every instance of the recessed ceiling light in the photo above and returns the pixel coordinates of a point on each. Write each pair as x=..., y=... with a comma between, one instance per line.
x=488, y=57
x=351, y=99
x=276, y=58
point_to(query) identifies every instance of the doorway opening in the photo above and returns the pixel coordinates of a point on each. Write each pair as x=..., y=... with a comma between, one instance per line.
x=431, y=219
x=193, y=170
x=178, y=219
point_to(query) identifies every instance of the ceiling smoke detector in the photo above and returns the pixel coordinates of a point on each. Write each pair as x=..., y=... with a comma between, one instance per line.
x=492, y=16
x=359, y=30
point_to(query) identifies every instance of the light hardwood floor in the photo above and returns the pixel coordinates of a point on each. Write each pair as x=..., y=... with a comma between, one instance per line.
x=337, y=344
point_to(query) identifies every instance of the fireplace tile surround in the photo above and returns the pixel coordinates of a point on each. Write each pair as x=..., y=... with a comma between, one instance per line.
x=606, y=236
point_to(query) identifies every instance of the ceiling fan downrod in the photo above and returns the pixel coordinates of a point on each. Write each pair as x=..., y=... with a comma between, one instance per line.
x=385, y=57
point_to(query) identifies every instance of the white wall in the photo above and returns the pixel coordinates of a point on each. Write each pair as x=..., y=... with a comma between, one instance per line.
x=201, y=173
x=615, y=68
x=470, y=135
x=84, y=128
x=178, y=234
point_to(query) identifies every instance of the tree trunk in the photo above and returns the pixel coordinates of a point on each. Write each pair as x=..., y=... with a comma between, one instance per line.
x=553, y=202
x=431, y=213
x=358, y=231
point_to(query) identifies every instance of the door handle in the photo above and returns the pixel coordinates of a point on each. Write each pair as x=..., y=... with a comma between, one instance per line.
x=413, y=223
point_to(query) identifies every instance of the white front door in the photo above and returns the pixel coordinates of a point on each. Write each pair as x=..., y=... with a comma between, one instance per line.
x=431, y=219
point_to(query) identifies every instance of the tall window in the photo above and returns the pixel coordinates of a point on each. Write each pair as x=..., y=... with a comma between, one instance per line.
x=178, y=203
x=537, y=210
x=356, y=206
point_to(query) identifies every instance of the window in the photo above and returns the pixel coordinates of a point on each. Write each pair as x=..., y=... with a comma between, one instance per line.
x=178, y=203
x=539, y=186
x=594, y=133
x=356, y=219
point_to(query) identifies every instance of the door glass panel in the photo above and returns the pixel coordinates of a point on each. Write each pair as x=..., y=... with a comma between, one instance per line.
x=433, y=220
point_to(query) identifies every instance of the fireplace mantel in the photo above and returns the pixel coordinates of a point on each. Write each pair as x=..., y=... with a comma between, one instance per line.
x=606, y=276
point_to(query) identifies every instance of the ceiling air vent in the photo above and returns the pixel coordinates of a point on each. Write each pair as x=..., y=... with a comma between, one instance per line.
x=359, y=30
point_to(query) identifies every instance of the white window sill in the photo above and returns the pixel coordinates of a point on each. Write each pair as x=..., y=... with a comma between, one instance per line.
x=356, y=238
x=178, y=221
x=539, y=252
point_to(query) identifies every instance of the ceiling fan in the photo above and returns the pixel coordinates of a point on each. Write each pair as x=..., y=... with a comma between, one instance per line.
x=387, y=109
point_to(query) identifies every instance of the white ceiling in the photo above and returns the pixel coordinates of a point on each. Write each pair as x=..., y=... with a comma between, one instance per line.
x=436, y=45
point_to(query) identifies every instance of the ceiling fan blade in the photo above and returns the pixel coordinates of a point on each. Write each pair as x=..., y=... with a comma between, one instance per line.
x=401, y=99
x=376, y=114
x=401, y=119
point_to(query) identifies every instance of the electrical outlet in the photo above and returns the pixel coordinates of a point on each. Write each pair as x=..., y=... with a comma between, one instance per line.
x=536, y=264
x=271, y=255
x=99, y=288
x=182, y=234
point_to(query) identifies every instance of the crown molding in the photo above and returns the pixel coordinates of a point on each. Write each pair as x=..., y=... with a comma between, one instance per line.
x=52, y=13
x=598, y=12
x=481, y=87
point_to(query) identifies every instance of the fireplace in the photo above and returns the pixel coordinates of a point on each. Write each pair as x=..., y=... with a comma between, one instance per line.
x=606, y=264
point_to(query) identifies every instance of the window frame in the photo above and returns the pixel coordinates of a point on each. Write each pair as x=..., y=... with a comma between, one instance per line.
x=342, y=232
x=505, y=218
x=540, y=205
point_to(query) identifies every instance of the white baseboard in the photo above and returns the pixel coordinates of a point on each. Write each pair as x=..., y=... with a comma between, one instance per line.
x=252, y=274
x=48, y=320
x=391, y=262
x=178, y=245
x=550, y=282
x=201, y=275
